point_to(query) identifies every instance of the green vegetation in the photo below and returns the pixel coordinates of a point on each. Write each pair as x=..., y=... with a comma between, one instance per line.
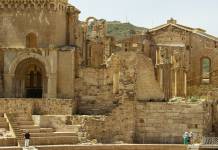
x=123, y=30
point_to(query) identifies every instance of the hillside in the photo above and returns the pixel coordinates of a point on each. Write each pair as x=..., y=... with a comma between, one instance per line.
x=121, y=30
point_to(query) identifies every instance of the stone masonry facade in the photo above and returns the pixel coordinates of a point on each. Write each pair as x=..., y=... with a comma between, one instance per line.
x=51, y=63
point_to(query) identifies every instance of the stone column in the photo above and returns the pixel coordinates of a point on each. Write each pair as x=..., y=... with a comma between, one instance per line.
x=185, y=84
x=116, y=73
x=52, y=75
x=8, y=85
x=161, y=78
x=175, y=88
x=157, y=56
x=52, y=86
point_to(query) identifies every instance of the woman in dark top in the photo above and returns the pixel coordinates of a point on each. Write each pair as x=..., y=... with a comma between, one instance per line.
x=27, y=138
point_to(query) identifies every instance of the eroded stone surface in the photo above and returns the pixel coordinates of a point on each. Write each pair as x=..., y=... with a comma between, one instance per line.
x=68, y=67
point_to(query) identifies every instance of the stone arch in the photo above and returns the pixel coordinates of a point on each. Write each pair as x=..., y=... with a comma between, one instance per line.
x=24, y=56
x=50, y=90
x=90, y=18
x=30, y=79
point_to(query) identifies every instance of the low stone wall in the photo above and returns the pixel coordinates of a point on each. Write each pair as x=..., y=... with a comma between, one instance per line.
x=15, y=106
x=54, y=107
x=115, y=147
x=38, y=106
x=117, y=127
x=61, y=123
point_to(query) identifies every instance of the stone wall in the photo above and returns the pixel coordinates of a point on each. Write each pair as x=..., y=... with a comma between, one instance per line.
x=147, y=87
x=202, y=47
x=215, y=118
x=129, y=75
x=120, y=125
x=54, y=106
x=61, y=123
x=38, y=106
x=41, y=21
x=93, y=91
x=149, y=122
x=166, y=122
x=66, y=73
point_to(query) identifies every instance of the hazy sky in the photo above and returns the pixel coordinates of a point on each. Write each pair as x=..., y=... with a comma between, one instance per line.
x=151, y=13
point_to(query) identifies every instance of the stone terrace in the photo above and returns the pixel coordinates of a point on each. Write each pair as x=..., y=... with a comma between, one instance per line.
x=106, y=147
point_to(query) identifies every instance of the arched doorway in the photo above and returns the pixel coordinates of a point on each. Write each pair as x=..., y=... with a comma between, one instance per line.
x=30, y=79
x=33, y=82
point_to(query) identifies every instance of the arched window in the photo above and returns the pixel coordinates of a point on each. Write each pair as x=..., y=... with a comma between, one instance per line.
x=205, y=70
x=31, y=40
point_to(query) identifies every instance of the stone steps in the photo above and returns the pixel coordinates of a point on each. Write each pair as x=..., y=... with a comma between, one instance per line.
x=75, y=128
x=25, y=122
x=3, y=122
x=2, y=119
x=60, y=140
x=23, y=118
x=8, y=142
x=28, y=127
x=114, y=147
x=11, y=148
x=53, y=134
x=42, y=136
x=4, y=125
x=39, y=130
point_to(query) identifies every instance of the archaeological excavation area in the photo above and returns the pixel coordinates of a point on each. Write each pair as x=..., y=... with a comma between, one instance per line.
x=74, y=86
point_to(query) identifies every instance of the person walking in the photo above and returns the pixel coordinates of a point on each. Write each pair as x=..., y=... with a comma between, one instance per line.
x=27, y=138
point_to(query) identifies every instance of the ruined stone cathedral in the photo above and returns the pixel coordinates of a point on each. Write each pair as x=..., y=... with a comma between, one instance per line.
x=51, y=63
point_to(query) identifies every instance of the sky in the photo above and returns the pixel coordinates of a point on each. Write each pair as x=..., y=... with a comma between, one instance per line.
x=151, y=13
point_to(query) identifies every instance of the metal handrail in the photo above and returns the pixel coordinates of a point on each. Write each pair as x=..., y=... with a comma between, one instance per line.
x=210, y=141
